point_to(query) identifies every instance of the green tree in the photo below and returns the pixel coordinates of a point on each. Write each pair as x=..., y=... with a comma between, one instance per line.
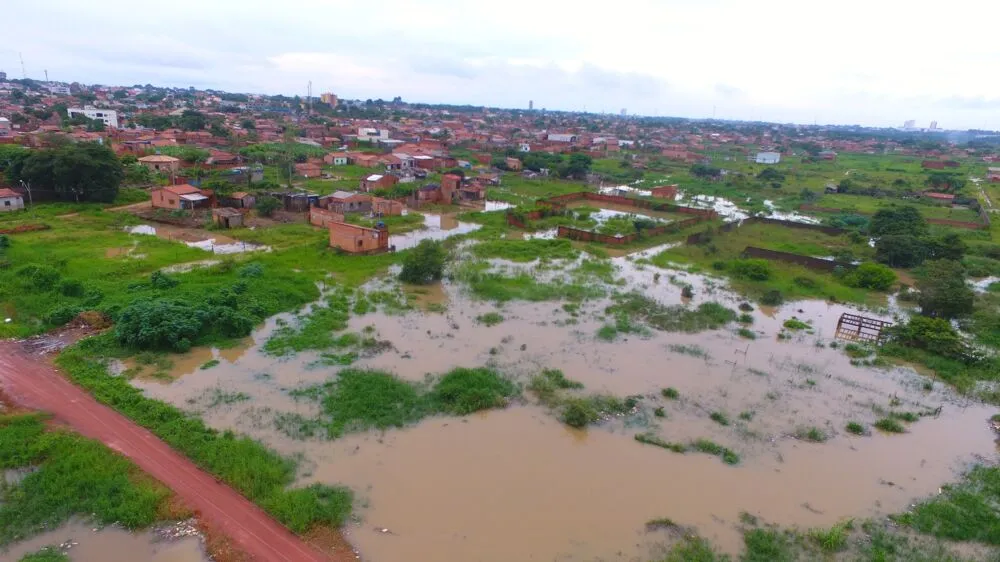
x=897, y=221
x=266, y=206
x=578, y=167
x=900, y=250
x=948, y=247
x=248, y=124
x=935, y=335
x=159, y=324
x=424, y=264
x=192, y=120
x=943, y=290
x=73, y=172
x=871, y=276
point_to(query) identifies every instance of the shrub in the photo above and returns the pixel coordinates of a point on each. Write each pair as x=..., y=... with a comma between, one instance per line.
x=812, y=434
x=463, y=391
x=670, y=393
x=266, y=206
x=772, y=298
x=489, y=319
x=889, y=425
x=159, y=324
x=720, y=418
x=745, y=318
x=579, y=413
x=935, y=335
x=746, y=333
x=424, y=264
x=871, y=275
x=856, y=428
x=794, y=323
x=752, y=269
x=38, y=278
x=71, y=288
x=61, y=315
x=252, y=270
x=160, y=280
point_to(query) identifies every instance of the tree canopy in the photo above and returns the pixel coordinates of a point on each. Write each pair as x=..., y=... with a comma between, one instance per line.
x=904, y=220
x=73, y=172
x=943, y=290
x=424, y=264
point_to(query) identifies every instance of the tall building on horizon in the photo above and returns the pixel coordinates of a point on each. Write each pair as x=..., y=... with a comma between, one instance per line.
x=910, y=124
x=624, y=112
x=3, y=76
x=933, y=125
x=329, y=99
x=531, y=105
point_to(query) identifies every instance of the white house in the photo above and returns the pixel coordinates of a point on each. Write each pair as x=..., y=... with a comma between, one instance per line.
x=10, y=200
x=4, y=127
x=108, y=116
x=369, y=134
x=768, y=157
x=524, y=147
x=340, y=160
x=559, y=137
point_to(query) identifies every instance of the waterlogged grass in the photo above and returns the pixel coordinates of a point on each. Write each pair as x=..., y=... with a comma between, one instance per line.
x=796, y=324
x=746, y=333
x=209, y=364
x=670, y=393
x=498, y=287
x=692, y=350
x=856, y=428
x=47, y=554
x=720, y=418
x=257, y=472
x=694, y=549
x=526, y=250
x=728, y=456
x=966, y=511
x=677, y=318
x=314, y=331
x=767, y=545
x=72, y=476
x=547, y=384
x=490, y=319
x=833, y=539
x=889, y=425
x=358, y=400
x=811, y=434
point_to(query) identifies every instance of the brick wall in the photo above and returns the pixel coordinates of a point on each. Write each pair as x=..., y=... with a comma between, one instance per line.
x=808, y=262
x=322, y=217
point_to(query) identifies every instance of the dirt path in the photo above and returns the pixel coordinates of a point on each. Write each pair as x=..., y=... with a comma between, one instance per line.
x=33, y=383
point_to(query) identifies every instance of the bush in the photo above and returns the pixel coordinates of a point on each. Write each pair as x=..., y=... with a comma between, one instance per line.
x=870, y=276
x=772, y=298
x=752, y=269
x=935, y=335
x=580, y=412
x=252, y=270
x=266, y=206
x=71, y=288
x=38, y=278
x=424, y=264
x=61, y=315
x=463, y=391
x=159, y=324
x=160, y=280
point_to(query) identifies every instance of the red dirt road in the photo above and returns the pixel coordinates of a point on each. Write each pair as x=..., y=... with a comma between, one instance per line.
x=33, y=383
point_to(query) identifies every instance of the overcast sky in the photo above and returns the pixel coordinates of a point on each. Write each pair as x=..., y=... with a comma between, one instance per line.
x=871, y=62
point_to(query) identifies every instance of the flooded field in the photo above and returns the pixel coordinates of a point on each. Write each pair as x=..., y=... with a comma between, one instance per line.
x=85, y=543
x=196, y=238
x=436, y=227
x=518, y=484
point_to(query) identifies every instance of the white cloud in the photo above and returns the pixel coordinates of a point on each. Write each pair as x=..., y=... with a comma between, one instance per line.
x=854, y=61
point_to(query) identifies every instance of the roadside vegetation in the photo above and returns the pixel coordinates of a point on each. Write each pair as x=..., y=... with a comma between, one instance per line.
x=66, y=475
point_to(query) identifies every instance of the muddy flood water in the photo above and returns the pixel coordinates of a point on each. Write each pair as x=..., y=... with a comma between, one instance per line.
x=517, y=484
x=84, y=543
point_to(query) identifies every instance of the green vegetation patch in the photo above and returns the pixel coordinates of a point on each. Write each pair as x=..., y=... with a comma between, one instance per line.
x=526, y=250
x=811, y=434
x=490, y=318
x=677, y=318
x=856, y=428
x=966, y=511
x=796, y=324
x=47, y=554
x=72, y=476
x=694, y=549
x=692, y=350
x=889, y=425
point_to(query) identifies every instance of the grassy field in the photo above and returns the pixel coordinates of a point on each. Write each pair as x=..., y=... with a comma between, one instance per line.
x=721, y=253
x=72, y=476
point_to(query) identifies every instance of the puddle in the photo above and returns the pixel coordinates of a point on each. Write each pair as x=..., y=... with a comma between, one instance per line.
x=185, y=267
x=792, y=216
x=983, y=285
x=725, y=208
x=624, y=191
x=110, y=544
x=208, y=241
x=497, y=206
x=436, y=227
x=461, y=488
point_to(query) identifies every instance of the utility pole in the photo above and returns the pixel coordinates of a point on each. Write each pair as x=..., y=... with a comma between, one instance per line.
x=24, y=73
x=27, y=187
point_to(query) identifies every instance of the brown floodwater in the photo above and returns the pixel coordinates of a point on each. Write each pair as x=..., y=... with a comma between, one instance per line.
x=110, y=544
x=517, y=484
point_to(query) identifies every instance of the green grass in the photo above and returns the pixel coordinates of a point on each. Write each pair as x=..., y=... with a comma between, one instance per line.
x=526, y=250
x=856, y=428
x=811, y=434
x=694, y=549
x=707, y=316
x=209, y=364
x=498, y=287
x=47, y=554
x=312, y=332
x=767, y=545
x=582, y=411
x=720, y=418
x=908, y=417
x=257, y=472
x=833, y=539
x=966, y=511
x=745, y=318
x=709, y=447
x=796, y=324
x=889, y=425
x=72, y=476
x=670, y=393
x=746, y=333
x=747, y=415
x=490, y=319
x=692, y=350
x=547, y=384
x=651, y=439
x=359, y=400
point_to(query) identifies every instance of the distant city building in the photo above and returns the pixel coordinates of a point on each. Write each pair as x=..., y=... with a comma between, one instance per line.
x=910, y=124
x=329, y=99
x=368, y=134
x=3, y=76
x=4, y=127
x=58, y=90
x=624, y=112
x=934, y=125
x=108, y=116
x=556, y=137
x=768, y=157
x=531, y=105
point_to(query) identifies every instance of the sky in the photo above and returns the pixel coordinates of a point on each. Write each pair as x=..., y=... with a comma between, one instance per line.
x=867, y=62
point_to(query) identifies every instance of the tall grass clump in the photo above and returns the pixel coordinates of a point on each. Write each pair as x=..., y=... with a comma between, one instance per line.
x=707, y=316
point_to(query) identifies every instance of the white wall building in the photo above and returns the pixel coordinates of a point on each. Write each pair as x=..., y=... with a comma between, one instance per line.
x=10, y=200
x=108, y=116
x=558, y=137
x=369, y=134
x=768, y=157
x=4, y=127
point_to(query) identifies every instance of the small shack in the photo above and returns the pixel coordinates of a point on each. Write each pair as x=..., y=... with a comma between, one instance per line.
x=227, y=217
